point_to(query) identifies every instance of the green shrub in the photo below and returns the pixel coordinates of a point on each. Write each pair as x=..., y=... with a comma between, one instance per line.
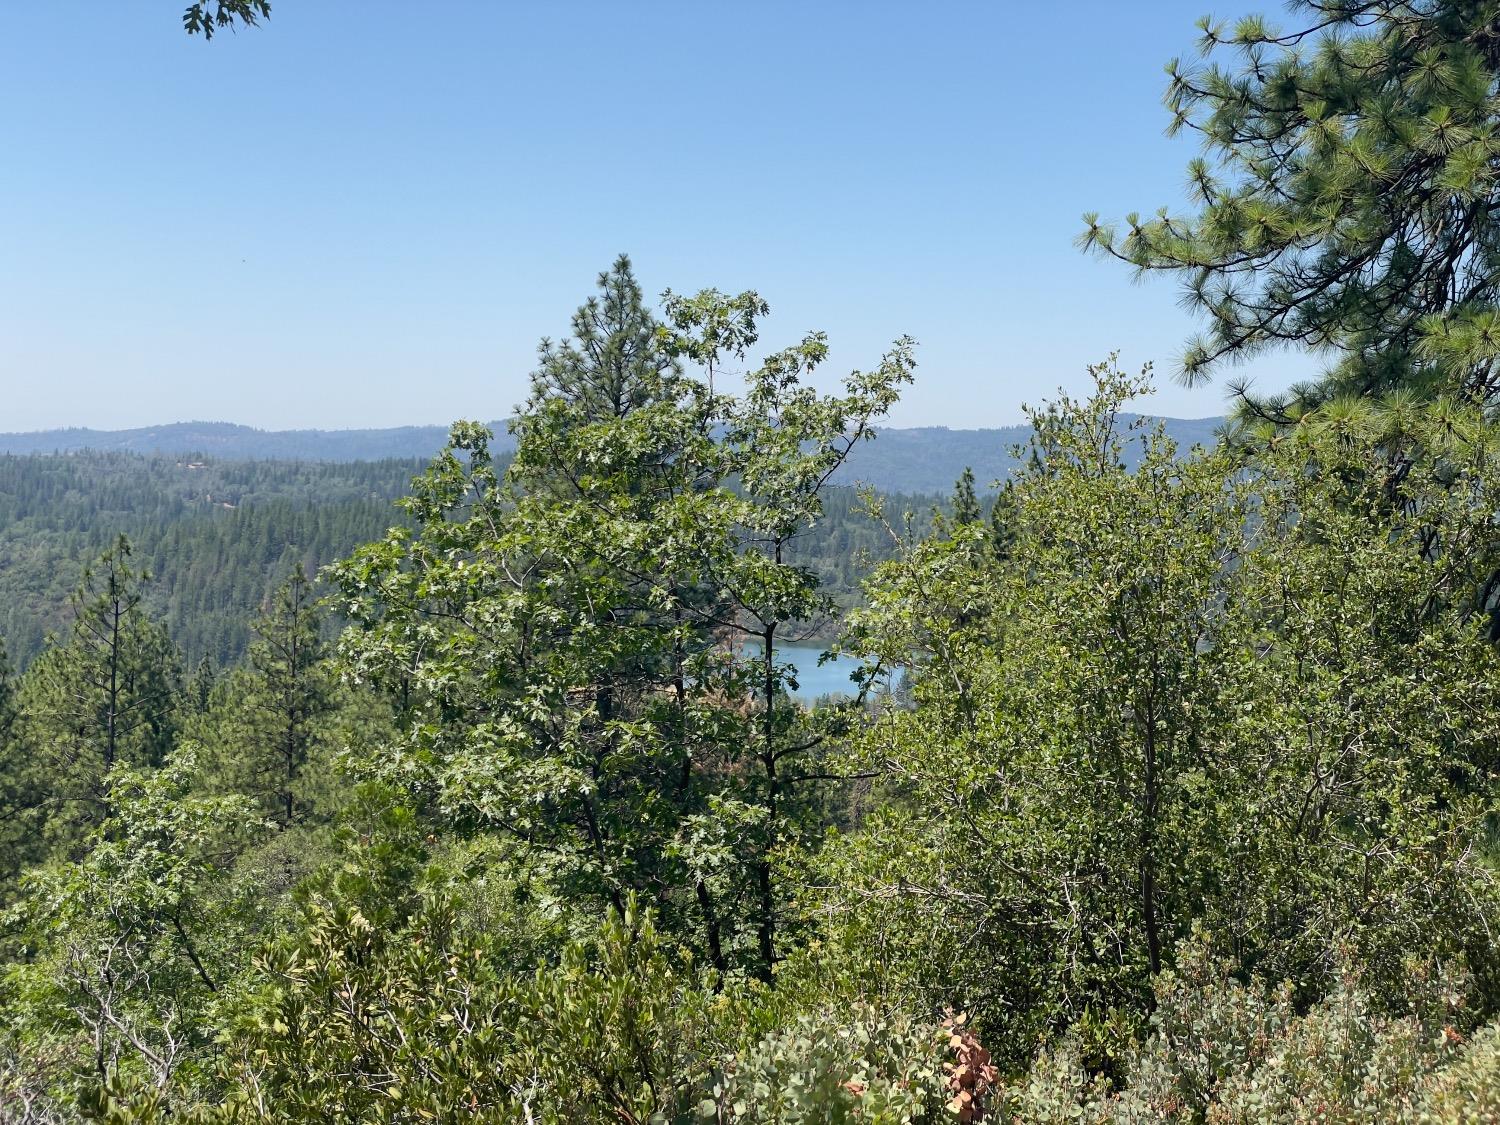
x=1468, y=1091
x=1225, y=1053
x=858, y=1066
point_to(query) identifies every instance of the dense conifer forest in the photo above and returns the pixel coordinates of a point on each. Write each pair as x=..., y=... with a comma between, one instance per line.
x=217, y=537
x=492, y=802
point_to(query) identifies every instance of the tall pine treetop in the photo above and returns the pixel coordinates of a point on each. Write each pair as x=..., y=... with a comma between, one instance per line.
x=616, y=358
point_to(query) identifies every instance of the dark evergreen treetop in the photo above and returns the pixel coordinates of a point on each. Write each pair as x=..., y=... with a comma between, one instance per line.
x=615, y=358
x=966, y=508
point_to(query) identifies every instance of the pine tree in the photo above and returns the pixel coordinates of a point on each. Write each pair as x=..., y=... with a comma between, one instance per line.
x=272, y=717
x=7, y=698
x=288, y=657
x=19, y=797
x=965, y=503
x=1002, y=514
x=1347, y=199
x=200, y=686
x=106, y=697
x=615, y=360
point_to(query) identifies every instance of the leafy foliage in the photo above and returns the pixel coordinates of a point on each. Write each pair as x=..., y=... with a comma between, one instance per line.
x=1258, y=699
x=1220, y=1050
x=858, y=1066
x=126, y=948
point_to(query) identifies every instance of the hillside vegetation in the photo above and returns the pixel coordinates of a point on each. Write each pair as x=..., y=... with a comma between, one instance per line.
x=1184, y=809
x=1168, y=792
x=217, y=537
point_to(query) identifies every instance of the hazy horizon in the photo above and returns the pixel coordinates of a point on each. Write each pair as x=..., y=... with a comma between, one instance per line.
x=487, y=421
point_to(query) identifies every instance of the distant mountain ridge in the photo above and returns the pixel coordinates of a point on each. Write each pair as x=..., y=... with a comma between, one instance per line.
x=924, y=459
x=230, y=441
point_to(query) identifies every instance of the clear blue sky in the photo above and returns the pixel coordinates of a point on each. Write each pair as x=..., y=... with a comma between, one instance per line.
x=366, y=213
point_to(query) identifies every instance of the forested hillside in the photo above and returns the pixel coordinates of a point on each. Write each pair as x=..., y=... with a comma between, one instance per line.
x=218, y=536
x=544, y=836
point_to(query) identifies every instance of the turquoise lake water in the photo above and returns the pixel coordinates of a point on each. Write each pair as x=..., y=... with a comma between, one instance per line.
x=814, y=679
